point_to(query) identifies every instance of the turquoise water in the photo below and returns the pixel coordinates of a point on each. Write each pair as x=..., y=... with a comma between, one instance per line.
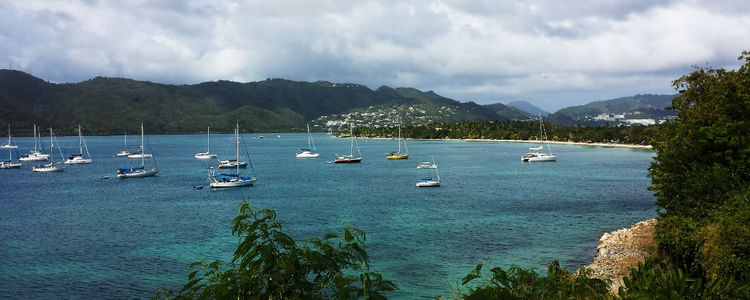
x=71, y=235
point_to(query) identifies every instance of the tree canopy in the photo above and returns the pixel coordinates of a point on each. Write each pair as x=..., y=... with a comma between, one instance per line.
x=701, y=175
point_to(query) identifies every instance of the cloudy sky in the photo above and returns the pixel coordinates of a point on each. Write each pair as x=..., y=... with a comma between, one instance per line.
x=551, y=53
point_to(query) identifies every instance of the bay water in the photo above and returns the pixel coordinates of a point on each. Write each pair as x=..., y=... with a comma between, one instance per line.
x=74, y=235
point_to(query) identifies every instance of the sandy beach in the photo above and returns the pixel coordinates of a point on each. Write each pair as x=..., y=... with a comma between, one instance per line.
x=634, y=146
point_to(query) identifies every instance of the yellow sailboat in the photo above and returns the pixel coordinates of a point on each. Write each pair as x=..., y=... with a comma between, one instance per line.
x=398, y=154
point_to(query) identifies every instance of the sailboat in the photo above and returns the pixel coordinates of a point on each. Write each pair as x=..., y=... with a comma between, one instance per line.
x=35, y=155
x=9, y=164
x=138, y=171
x=398, y=154
x=141, y=152
x=207, y=154
x=350, y=158
x=308, y=152
x=226, y=180
x=537, y=154
x=78, y=158
x=9, y=144
x=125, y=151
x=431, y=181
x=52, y=166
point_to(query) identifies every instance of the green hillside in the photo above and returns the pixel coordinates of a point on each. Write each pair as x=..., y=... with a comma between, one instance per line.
x=113, y=105
x=509, y=112
x=619, y=105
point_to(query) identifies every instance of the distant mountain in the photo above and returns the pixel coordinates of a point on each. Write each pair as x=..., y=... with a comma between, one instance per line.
x=647, y=102
x=508, y=112
x=114, y=105
x=527, y=107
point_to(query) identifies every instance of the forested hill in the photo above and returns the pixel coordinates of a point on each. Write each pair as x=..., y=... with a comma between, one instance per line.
x=643, y=103
x=113, y=105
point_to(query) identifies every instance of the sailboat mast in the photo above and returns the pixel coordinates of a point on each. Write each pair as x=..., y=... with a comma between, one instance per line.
x=541, y=139
x=80, y=141
x=351, y=138
x=126, y=141
x=35, y=138
x=143, y=159
x=237, y=147
x=51, y=153
x=309, y=137
x=209, y=140
x=399, y=138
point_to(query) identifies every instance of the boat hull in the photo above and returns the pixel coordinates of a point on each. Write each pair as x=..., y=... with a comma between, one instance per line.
x=48, y=168
x=204, y=155
x=8, y=147
x=232, y=183
x=307, y=155
x=35, y=157
x=347, y=160
x=398, y=156
x=542, y=158
x=78, y=160
x=9, y=165
x=138, y=155
x=232, y=166
x=427, y=166
x=138, y=173
x=123, y=153
x=430, y=183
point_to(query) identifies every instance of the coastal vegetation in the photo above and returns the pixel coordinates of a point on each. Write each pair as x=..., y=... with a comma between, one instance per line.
x=517, y=130
x=268, y=264
x=701, y=177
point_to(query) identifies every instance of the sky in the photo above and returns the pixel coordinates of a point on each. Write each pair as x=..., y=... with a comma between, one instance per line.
x=551, y=53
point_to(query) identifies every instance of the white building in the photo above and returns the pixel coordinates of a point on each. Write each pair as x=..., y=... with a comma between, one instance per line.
x=640, y=121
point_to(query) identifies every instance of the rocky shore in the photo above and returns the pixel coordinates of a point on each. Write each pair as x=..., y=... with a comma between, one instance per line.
x=622, y=249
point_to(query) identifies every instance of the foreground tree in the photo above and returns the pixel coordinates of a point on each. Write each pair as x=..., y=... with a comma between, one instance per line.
x=701, y=176
x=520, y=283
x=268, y=264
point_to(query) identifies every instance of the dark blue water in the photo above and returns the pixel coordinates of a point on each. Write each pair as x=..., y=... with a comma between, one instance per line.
x=71, y=235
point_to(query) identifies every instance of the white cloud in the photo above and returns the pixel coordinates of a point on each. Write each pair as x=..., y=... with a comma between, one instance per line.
x=548, y=52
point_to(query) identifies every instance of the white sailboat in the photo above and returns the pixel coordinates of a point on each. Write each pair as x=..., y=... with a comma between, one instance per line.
x=141, y=152
x=398, y=154
x=9, y=164
x=427, y=165
x=227, y=180
x=124, y=152
x=431, y=181
x=207, y=154
x=9, y=144
x=78, y=158
x=52, y=166
x=537, y=154
x=310, y=151
x=35, y=155
x=350, y=158
x=138, y=171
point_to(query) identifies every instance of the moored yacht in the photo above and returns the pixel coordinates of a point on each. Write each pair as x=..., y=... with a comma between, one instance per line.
x=78, y=158
x=227, y=180
x=52, y=166
x=36, y=154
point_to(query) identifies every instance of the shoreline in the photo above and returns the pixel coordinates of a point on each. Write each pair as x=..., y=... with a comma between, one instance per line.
x=622, y=249
x=612, y=145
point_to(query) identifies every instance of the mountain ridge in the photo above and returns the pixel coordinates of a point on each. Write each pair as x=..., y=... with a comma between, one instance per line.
x=110, y=105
